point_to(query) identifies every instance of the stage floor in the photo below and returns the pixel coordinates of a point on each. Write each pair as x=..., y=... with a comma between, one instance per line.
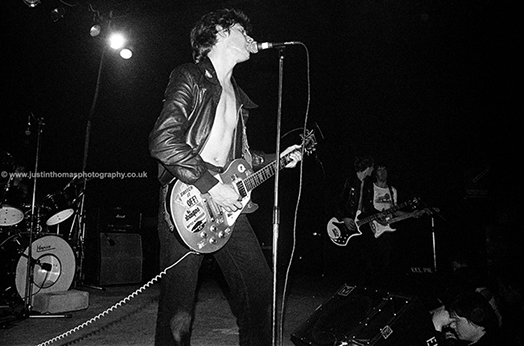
x=133, y=321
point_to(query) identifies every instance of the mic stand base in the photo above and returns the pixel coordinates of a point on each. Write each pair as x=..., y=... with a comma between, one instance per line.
x=25, y=314
x=92, y=287
x=39, y=315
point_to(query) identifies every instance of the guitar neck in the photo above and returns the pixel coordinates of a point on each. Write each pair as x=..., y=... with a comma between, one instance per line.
x=265, y=173
x=407, y=216
x=382, y=213
x=400, y=218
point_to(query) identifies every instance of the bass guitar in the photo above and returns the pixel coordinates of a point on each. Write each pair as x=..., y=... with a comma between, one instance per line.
x=340, y=234
x=204, y=226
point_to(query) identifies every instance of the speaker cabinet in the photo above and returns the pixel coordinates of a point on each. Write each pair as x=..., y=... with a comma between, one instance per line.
x=366, y=316
x=119, y=261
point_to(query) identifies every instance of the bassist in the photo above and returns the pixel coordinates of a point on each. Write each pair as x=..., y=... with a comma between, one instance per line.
x=366, y=195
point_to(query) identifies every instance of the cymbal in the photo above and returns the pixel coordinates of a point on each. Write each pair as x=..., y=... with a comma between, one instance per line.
x=8, y=164
x=6, y=157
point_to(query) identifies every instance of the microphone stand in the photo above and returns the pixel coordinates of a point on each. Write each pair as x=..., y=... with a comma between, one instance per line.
x=433, y=236
x=81, y=213
x=276, y=208
x=31, y=262
x=432, y=213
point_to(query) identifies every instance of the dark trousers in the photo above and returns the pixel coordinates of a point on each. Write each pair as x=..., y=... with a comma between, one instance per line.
x=246, y=273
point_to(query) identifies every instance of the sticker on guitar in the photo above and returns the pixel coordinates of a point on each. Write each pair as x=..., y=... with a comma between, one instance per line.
x=204, y=226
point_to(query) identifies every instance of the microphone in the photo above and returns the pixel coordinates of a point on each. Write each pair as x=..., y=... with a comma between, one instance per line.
x=28, y=129
x=45, y=266
x=255, y=46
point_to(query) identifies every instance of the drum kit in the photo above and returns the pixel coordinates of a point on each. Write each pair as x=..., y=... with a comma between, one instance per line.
x=52, y=254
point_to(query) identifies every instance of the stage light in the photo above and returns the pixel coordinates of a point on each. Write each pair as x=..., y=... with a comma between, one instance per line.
x=126, y=53
x=117, y=41
x=95, y=30
x=31, y=3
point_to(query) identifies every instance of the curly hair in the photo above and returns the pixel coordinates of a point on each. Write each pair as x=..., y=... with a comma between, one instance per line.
x=203, y=34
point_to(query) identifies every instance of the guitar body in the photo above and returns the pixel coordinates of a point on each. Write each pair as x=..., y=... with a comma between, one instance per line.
x=379, y=228
x=339, y=233
x=379, y=223
x=202, y=225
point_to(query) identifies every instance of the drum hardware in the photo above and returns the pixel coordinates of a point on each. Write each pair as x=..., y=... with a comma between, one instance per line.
x=27, y=265
x=60, y=205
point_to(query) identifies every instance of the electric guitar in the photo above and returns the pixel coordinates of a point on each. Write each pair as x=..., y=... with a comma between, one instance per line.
x=204, y=226
x=340, y=234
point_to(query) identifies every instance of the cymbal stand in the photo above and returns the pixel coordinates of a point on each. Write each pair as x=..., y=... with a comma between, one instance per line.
x=31, y=262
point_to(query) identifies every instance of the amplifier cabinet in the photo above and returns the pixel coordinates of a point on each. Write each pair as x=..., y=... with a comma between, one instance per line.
x=118, y=259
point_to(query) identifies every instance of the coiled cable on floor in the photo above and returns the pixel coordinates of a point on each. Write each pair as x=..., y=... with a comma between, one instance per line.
x=117, y=305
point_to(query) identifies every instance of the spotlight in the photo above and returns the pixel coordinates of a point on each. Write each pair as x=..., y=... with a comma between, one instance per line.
x=117, y=41
x=31, y=3
x=57, y=14
x=126, y=53
x=95, y=30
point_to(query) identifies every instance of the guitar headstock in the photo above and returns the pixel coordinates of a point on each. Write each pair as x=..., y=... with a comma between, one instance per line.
x=308, y=141
x=414, y=202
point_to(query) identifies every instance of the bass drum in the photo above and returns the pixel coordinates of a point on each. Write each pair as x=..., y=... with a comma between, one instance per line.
x=54, y=266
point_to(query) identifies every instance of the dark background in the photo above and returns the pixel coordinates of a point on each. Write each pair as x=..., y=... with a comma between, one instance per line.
x=428, y=86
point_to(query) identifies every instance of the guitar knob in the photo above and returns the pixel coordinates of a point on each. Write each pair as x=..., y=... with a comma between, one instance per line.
x=221, y=234
x=203, y=234
x=212, y=240
x=212, y=228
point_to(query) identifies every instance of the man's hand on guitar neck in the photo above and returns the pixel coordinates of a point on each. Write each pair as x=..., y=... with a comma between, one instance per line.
x=226, y=196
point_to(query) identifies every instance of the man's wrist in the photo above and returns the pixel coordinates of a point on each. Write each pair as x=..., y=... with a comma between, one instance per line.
x=205, y=182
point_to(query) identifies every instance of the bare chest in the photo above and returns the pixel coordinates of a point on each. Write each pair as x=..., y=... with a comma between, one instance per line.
x=221, y=135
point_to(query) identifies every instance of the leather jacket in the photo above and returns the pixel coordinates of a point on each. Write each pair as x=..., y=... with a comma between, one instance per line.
x=348, y=201
x=184, y=124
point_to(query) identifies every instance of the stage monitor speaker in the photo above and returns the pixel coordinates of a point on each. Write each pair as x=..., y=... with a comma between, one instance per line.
x=365, y=316
x=119, y=261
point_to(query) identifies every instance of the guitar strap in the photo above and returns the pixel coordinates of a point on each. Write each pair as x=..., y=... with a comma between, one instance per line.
x=241, y=141
x=392, y=195
x=361, y=194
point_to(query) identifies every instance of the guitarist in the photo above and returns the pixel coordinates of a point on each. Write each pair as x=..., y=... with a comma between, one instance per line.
x=201, y=128
x=368, y=195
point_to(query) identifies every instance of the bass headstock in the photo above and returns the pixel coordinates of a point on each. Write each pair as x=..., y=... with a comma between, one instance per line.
x=309, y=141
